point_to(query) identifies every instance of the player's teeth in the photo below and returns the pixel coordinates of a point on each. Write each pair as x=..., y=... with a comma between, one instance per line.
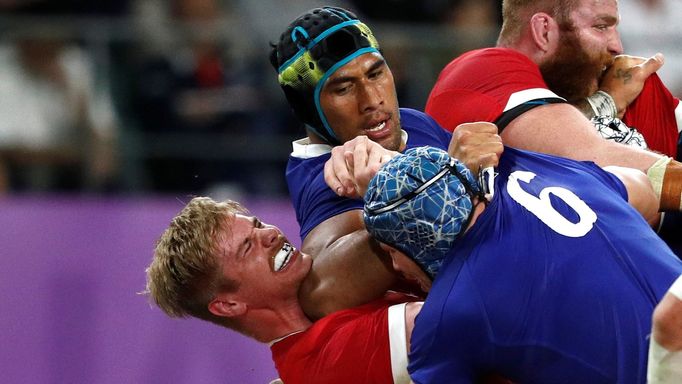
x=378, y=127
x=283, y=256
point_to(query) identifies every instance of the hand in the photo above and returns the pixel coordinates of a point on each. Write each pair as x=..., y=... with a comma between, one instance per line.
x=625, y=78
x=477, y=145
x=353, y=164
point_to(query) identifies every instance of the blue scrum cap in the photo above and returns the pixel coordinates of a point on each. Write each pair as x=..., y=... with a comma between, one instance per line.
x=419, y=202
x=311, y=49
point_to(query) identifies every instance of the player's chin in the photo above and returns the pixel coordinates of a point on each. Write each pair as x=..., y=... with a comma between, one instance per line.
x=391, y=140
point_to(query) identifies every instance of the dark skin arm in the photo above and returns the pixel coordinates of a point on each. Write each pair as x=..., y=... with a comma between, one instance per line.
x=349, y=269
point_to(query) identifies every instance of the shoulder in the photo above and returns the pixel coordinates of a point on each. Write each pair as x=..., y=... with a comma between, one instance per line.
x=497, y=54
x=301, y=172
x=422, y=129
x=313, y=201
x=412, y=119
x=480, y=85
x=306, y=162
x=334, y=349
x=485, y=61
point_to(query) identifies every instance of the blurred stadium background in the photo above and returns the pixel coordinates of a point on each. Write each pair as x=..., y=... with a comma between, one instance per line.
x=114, y=113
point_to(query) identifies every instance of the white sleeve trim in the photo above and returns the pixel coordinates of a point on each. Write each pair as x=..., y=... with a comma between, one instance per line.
x=521, y=97
x=678, y=116
x=398, y=343
x=303, y=149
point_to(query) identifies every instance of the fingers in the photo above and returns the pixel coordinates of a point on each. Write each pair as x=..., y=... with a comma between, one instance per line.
x=360, y=156
x=352, y=165
x=652, y=64
x=477, y=127
x=483, y=156
x=374, y=160
x=369, y=156
x=625, y=79
x=476, y=145
x=336, y=173
x=627, y=61
x=330, y=178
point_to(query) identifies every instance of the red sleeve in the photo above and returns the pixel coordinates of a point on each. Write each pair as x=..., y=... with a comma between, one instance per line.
x=482, y=84
x=349, y=346
x=653, y=114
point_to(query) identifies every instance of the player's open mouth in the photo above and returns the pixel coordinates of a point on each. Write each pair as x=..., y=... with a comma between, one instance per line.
x=283, y=256
x=377, y=127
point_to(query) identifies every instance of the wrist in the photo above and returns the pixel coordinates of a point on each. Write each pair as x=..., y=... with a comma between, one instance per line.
x=602, y=104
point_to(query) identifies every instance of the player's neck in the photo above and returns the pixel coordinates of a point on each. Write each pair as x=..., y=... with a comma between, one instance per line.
x=270, y=324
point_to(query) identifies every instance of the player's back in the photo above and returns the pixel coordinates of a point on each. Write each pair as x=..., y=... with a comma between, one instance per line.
x=557, y=281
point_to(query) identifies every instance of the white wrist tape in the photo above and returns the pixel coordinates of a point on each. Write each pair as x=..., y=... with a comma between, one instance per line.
x=665, y=367
x=656, y=173
x=602, y=104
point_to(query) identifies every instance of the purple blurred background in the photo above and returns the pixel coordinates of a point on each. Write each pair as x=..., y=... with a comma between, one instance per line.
x=70, y=273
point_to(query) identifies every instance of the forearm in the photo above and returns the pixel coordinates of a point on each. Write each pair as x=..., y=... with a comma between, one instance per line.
x=562, y=130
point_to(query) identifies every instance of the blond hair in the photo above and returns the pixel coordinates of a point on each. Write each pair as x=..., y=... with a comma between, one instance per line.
x=185, y=273
x=517, y=13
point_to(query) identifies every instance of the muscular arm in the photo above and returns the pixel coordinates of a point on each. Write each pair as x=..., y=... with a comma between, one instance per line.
x=560, y=129
x=640, y=193
x=349, y=269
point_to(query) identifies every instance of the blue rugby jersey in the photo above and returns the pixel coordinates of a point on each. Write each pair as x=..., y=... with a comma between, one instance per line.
x=314, y=202
x=556, y=282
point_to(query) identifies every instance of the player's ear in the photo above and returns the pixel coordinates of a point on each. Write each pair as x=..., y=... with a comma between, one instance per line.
x=544, y=30
x=226, y=305
x=387, y=248
x=395, y=254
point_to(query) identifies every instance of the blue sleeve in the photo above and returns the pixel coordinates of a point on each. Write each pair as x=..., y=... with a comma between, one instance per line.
x=609, y=179
x=313, y=201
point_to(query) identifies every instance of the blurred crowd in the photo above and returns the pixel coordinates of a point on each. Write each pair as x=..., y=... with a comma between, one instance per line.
x=177, y=96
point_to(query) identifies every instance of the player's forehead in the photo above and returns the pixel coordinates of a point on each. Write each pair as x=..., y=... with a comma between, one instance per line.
x=596, y=11
x=358, y=67
x=236, y=229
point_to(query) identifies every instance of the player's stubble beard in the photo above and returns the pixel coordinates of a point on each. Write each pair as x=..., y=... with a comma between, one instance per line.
x=572, y=70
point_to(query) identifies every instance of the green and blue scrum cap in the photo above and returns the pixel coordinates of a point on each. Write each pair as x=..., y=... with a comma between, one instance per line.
x=420, y=202
x=312, y=48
